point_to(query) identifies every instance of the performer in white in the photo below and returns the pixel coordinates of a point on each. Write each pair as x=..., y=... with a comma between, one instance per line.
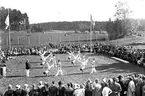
x=93, y=66
x=45, y=58
x=83, y=62
x=48, y=69
x=76, y=58
x=53, y=60
x=50, y=64
x=59, y=68
x=70, y=55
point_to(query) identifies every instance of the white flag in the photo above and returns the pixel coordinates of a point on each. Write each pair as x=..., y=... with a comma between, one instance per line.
x=92, y=22
x=7, y=22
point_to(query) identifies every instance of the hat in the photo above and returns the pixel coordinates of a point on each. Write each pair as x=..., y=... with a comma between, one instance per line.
x=40, y=82
x=76, y=86
x=18, y=86
x=129, y=77
x=10, y=86
x=110, y=80
x=104, y=80
x=25, y=85
x=120, y=76
x=89, y=80
x=59, y=83
x=45, y=83
x=114, y=79
x=143, y=77
x=97, y=80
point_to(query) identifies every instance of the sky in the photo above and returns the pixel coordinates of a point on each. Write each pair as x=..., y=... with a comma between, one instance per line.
x=72, y=10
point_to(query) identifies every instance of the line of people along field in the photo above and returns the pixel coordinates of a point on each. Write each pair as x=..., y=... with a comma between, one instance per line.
x=135, y=56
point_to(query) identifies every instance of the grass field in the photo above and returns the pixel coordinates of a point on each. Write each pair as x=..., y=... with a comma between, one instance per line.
x=106, y=67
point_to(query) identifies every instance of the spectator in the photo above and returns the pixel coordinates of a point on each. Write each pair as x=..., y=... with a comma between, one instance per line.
x=40, y=88
x=143, y=86
x=69, y=90
x=45, y=89
x=97, y=88
x=121, y=82
x=138, y=83
x=79, y=90
x=34, y=91
x=61, y=89
x=25, y=91
x=53, y=89
x=27, y=68
x=10, y=91
x=131, y=88
x=18, y=91
x=106, y=91
x=104, y=83
x=88, y=88
x=116, y=88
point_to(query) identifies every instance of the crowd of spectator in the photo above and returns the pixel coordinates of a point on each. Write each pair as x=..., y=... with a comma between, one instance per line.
x=135, y=56
x=132, y=85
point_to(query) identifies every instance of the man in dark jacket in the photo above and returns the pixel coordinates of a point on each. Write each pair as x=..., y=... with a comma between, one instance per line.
x=9, y=92
x=45, y=89
x=69, y=91
x=27, y=68
x=61, y=89
x=18, y=91
x=53, y=89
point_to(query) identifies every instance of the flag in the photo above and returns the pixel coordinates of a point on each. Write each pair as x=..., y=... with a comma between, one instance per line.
x=7, y=22
x=23, y=21
x=92, y=22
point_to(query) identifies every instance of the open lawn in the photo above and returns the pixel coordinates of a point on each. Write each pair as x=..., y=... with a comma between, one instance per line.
x=106, y=67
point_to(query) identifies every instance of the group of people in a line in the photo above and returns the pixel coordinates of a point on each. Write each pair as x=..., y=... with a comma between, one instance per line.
x=128, y=53
x=133, y=85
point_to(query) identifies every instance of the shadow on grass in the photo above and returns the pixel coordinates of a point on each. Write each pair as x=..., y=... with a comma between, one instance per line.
x=41, y=76
x=79, y=73
x=35, y=62
x=38, y=67
x=70, y=66
x=15, y=76
x=121, y=68
x=65, y=60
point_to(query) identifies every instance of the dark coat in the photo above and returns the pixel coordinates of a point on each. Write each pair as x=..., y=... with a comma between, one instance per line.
x=53, y=90
x=9, y=93
x=28, y=65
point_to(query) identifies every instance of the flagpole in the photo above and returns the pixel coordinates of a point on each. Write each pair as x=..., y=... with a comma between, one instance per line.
x=91, y=34
x=91, y=38
x=9, y=34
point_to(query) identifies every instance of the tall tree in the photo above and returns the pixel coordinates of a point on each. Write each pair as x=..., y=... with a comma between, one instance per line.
x=124, y=24
x=16, y=18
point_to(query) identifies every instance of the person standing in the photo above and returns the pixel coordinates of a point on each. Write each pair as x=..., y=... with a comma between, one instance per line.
x=59, y=69
x=53, y=89
x=28, y=67
x=115, y=87
x=18, y=91
x=25, y=90
x=69, y=90
x=106, y=91
x=121, y=82
x=93, y=66
x=131, y=87
x=10, y=91
x=34, y=91
x=61, y=89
